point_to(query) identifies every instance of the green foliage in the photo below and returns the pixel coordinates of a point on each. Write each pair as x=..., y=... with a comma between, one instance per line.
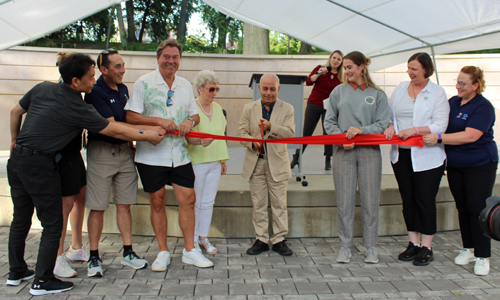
x=197, y=44
x=93, y=28
x=278, y=43
x=220, y=26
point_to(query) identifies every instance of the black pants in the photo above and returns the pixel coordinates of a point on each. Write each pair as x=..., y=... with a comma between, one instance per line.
x=470, y=188
x=418, y=191
x=311, y=119
x=35, y=183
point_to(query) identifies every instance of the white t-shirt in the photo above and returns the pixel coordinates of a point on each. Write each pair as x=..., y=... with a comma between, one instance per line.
x=149, y=98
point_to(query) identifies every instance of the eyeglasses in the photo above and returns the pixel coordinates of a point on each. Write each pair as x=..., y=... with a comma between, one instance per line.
x=169, y=100
x=212, y=89
x=461, y=84
x=106, y=52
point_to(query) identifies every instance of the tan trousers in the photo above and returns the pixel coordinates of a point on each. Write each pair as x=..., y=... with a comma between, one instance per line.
x=262, y=189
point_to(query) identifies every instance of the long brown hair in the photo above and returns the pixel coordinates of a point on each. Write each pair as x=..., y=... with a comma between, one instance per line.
x=359, y=59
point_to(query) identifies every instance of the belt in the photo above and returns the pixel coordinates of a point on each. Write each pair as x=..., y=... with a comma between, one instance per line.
x=31, y=151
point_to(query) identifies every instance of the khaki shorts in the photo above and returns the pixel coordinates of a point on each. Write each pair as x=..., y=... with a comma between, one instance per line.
x=110, y=166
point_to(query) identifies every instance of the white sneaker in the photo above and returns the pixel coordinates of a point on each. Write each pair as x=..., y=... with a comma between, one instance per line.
x=344, y=255
x=465, y=257
x=161, y=262
x=482, y=266
x=82, y=254
x=195, y=257
x=371, y=256
x=62, y=268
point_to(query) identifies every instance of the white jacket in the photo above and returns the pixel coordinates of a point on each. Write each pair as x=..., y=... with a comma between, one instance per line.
x=432, y=110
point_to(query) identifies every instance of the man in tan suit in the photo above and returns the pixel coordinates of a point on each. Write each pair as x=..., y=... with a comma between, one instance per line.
x=266, y=165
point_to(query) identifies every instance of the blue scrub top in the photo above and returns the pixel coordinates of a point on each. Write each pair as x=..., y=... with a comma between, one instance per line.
x=479, y=114
x=108, y=103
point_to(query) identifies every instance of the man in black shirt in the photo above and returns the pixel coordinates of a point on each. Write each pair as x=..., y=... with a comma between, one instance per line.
x=55, y=114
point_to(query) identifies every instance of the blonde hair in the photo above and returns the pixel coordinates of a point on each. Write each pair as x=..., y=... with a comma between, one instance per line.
x=340, y=69
x=359, y=59
x=477, y=76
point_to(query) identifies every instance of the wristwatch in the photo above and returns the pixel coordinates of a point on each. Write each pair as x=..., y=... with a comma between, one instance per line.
x=440, y=141
x=191, y=119
x=141, y=131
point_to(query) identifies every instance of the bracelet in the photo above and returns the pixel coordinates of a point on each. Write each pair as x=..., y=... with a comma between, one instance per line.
x=440, y=140
x=416, y=129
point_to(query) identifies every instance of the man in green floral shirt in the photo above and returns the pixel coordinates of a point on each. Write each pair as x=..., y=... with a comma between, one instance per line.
x=164, y=99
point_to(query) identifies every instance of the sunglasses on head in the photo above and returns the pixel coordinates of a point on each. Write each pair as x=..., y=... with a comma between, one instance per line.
x=106, y=52
x=169, y=99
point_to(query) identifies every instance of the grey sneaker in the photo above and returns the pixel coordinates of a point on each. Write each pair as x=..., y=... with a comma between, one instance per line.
x=94, y=268
x=134, y=261
x=371, y=256
x=344, y=255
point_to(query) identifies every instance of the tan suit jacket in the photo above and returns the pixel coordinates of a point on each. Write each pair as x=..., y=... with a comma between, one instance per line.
x=282, y=126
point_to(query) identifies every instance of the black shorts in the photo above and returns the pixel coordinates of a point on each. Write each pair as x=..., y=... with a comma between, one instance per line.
x=72, y=172
x=153, y=178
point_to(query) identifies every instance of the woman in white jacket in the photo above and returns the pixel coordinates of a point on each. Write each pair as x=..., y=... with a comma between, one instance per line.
x=418, y=107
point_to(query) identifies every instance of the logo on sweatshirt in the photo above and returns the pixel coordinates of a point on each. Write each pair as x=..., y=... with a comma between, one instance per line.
x=370, y=100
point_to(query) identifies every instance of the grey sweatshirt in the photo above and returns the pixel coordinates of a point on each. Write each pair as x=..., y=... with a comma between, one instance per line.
x=368, y=110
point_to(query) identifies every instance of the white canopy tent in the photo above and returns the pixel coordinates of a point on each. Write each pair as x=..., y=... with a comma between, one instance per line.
x=388, y=31
x=25, y=20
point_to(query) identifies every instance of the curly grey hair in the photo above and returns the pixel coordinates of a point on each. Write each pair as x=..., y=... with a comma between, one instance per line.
x=204, y=77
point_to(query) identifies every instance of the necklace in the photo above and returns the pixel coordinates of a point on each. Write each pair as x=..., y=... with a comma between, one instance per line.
x=414, y=94
x=208, y=114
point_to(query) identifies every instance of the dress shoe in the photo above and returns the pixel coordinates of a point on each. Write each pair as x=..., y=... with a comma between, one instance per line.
x=410, y=253
x=424, y=257
x=328, y=163
x=282, y=249
x=295, y=161
x=257, y=248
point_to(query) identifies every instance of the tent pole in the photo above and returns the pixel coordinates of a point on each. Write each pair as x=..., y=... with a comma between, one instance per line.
x=435, y=65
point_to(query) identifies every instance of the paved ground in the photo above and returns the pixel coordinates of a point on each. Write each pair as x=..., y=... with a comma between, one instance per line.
x=311, y=273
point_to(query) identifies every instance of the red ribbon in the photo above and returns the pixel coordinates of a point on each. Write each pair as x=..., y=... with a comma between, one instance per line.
x=333, y=139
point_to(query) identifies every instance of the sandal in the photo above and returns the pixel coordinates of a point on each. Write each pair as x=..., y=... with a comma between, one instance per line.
x=209, y=248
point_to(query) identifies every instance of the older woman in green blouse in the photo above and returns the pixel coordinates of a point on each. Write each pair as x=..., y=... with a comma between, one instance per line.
x=209, y=161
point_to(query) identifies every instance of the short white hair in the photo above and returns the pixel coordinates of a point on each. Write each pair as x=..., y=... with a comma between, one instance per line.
x=204, y=77
x=270, y=75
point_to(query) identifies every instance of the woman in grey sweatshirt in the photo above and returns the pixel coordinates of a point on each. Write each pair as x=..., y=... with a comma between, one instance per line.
x=357, y=107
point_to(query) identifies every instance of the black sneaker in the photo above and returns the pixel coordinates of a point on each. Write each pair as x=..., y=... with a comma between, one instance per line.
x=15, y=279
x=258, y=247
x=282, y=249
x=424, y=257
x=51, y=286
x=410, y=253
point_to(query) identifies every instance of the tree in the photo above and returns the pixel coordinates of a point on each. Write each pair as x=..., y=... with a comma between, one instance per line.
x=305, y=48
x=255, y=40
x=181, y=33
x=220, y=26
x=279, y=43
x=129, y=5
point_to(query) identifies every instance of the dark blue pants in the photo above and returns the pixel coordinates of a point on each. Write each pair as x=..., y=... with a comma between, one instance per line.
x=470, y=188
x=35, y=183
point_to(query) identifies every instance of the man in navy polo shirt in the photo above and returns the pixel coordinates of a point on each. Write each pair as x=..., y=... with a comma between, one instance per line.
x=110, y=163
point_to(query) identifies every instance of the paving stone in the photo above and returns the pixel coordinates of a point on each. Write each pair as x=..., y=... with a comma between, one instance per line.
x=356, y=279
x=246, y=289
x=275, y=273
x=375, y=287
x=246, y=260
x=122, y=297
x=180, y=274
x=472, y=283
x=177, y=290
x=403, y=295
x=369, y=296
x=293, y=280
x=211, y=273
x=81, y=289
x=211, y=289
x=324, y=260
x=280, y=289
x=233, y=297
x=245, y=274
x=300, y=297
x=312, y=288
x=394, y=271
x=440, y=284
x=69, y=297
x=264, y=297
x=290, y=260
x=261, y=280
x=141, y=289
x=305, y=273
x=346, y=287
x=108, y=289
x=370, y=272
x=410, y=286
x=334, y=296
x=196, y=281
x=427, y=294
x=275, y=260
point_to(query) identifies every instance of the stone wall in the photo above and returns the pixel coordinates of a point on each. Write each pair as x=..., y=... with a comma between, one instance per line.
x=23, y=67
